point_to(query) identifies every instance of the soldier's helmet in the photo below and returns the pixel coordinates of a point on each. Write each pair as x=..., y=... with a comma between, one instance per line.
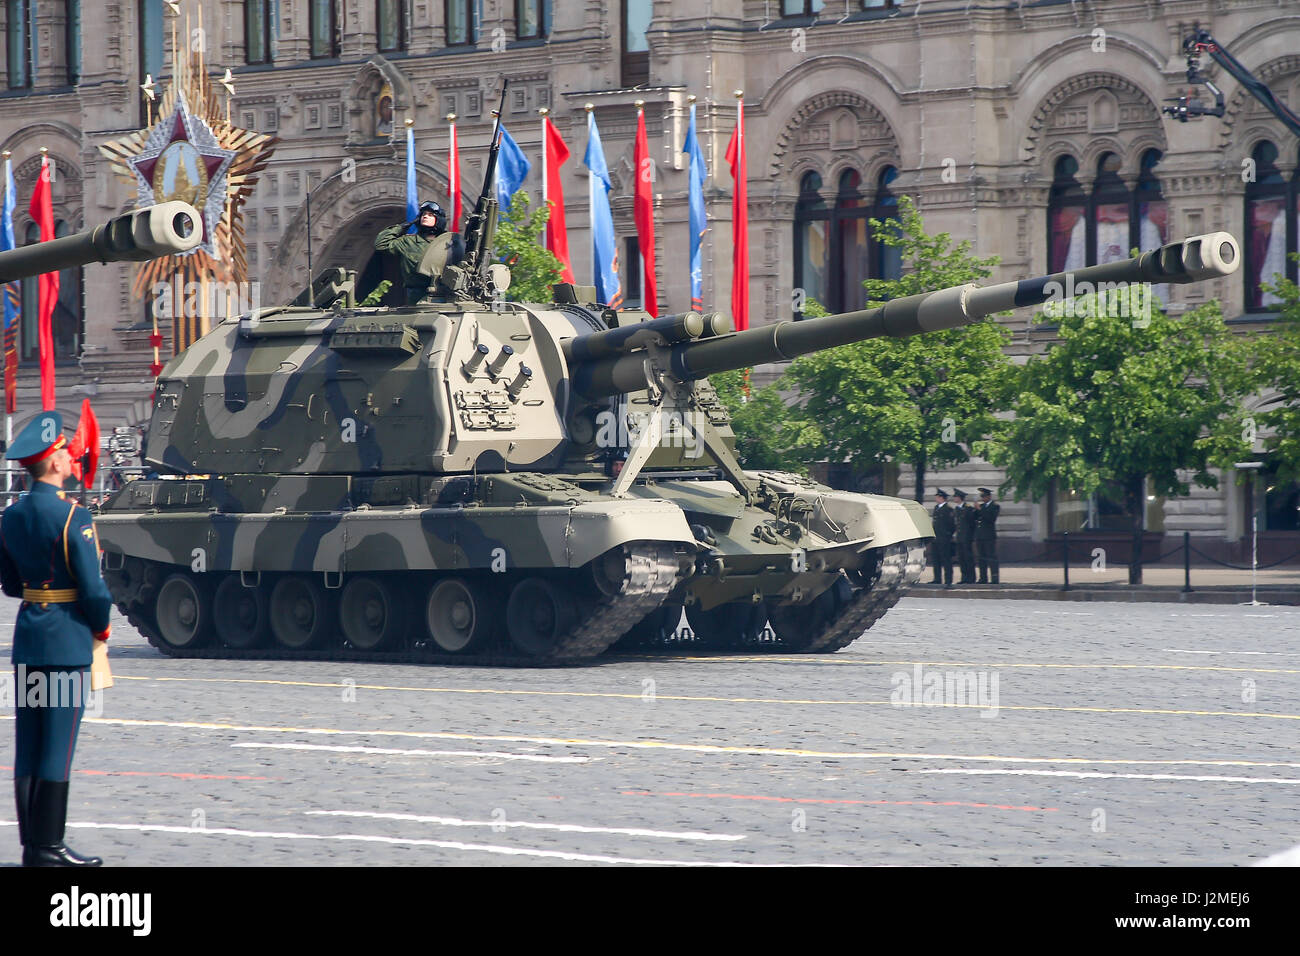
x=439, y=215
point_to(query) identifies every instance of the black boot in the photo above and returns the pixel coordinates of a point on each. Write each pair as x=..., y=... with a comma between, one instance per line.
x=49, y=814
x=23, y=803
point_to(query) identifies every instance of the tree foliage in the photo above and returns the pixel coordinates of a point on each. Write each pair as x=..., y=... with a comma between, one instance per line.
x=533, y=268
x=770, y=434
x=1277, y=373
x=925, y=400
x=1127, y=395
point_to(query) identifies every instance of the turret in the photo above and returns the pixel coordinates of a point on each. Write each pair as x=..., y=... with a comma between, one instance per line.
x=164, y=229
x=1193, y=260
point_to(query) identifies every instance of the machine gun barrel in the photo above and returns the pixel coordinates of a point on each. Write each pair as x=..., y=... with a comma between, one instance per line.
x=164, y=229
x=1197, y=259
x=669, y=330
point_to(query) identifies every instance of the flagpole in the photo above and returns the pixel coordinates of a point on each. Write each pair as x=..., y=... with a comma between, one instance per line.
x=591, y=199
x=453, y=174
x=543, y=112
x=9, y=418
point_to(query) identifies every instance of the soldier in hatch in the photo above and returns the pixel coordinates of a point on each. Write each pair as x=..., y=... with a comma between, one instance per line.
x=422, y=254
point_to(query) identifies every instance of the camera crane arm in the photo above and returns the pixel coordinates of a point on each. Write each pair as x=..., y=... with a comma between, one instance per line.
x=1185, y=107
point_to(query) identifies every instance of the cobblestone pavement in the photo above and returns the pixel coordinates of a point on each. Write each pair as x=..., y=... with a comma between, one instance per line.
x=1113, y=734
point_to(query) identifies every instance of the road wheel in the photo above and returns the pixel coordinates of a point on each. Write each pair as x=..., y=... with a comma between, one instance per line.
x=461, y=616
x=538, y=616
x=241, y=619
x=183, y=610
x=798, y=626
x=300, y=614
x=371, y=614
x=735, y=625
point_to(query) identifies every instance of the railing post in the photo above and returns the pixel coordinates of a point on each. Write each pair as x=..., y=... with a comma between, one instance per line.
x=1187, y=562
x=1065, y=559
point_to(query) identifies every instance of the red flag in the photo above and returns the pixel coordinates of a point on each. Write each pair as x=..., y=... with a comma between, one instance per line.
x=739, y=224
x=85, y=445
x=557, y=234
x=453, y=179
x=644, y=213
x=42, y=212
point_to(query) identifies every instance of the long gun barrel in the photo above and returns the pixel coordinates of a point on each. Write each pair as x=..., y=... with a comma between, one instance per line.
x=164, y=229
x=1193, y=260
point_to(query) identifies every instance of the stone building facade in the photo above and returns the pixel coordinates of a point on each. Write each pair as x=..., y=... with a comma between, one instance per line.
x=1033, y=128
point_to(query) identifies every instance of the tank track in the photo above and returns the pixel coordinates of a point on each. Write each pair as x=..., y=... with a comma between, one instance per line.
x=651, y=571
x=900, y=568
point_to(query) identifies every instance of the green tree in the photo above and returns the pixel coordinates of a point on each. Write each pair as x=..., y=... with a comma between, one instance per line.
x=770, y=434
x=923, y=400
x=1128, y=396
x=533, y=268
x=1277, y=369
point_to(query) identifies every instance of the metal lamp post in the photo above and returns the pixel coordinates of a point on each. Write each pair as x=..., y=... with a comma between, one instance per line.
x=1253, y=467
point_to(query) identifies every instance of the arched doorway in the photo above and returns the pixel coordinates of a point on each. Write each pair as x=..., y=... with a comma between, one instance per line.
x=348, y=210
x=354, y=248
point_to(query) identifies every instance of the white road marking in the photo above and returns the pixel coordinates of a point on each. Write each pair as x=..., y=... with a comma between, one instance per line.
x=559, y=827
x=1184, y=650
x=669, y=745
x=1289, y=857
x=394, y=841
x=1117, y=776
x=390, y=751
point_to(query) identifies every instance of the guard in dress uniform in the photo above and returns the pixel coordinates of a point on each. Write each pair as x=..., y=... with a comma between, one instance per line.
x=944, y=527
x=986, y=537
x=965, y=537
x=49, y=557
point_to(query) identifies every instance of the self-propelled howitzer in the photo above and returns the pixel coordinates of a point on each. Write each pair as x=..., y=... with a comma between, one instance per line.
x=467, y=479
x=165, y=229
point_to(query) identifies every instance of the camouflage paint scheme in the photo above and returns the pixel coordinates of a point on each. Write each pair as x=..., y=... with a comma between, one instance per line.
x=460, y=441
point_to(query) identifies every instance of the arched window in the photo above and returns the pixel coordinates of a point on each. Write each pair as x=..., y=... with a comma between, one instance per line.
x=68, y=321
x=27, y=343
x=1085, y=229
x=1272, y=206
x=1110, y=219
x=67, y=324
x=851, y=214
x=1152, y=213
x=1066, y=219
x=888, y=259
x=834, y=248
x=811, y=242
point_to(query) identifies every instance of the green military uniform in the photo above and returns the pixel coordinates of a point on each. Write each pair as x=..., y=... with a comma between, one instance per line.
x=409, y=250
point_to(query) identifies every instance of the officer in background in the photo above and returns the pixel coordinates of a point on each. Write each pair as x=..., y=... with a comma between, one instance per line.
x=422, y=254
x=945, y=525
x=986, y=537
x=965, y=537
x=49, y=556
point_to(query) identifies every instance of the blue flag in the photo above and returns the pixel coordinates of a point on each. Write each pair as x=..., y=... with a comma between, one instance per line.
x=698, y=173
x=604, y=248
x=412, y=200
x=512, y=170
